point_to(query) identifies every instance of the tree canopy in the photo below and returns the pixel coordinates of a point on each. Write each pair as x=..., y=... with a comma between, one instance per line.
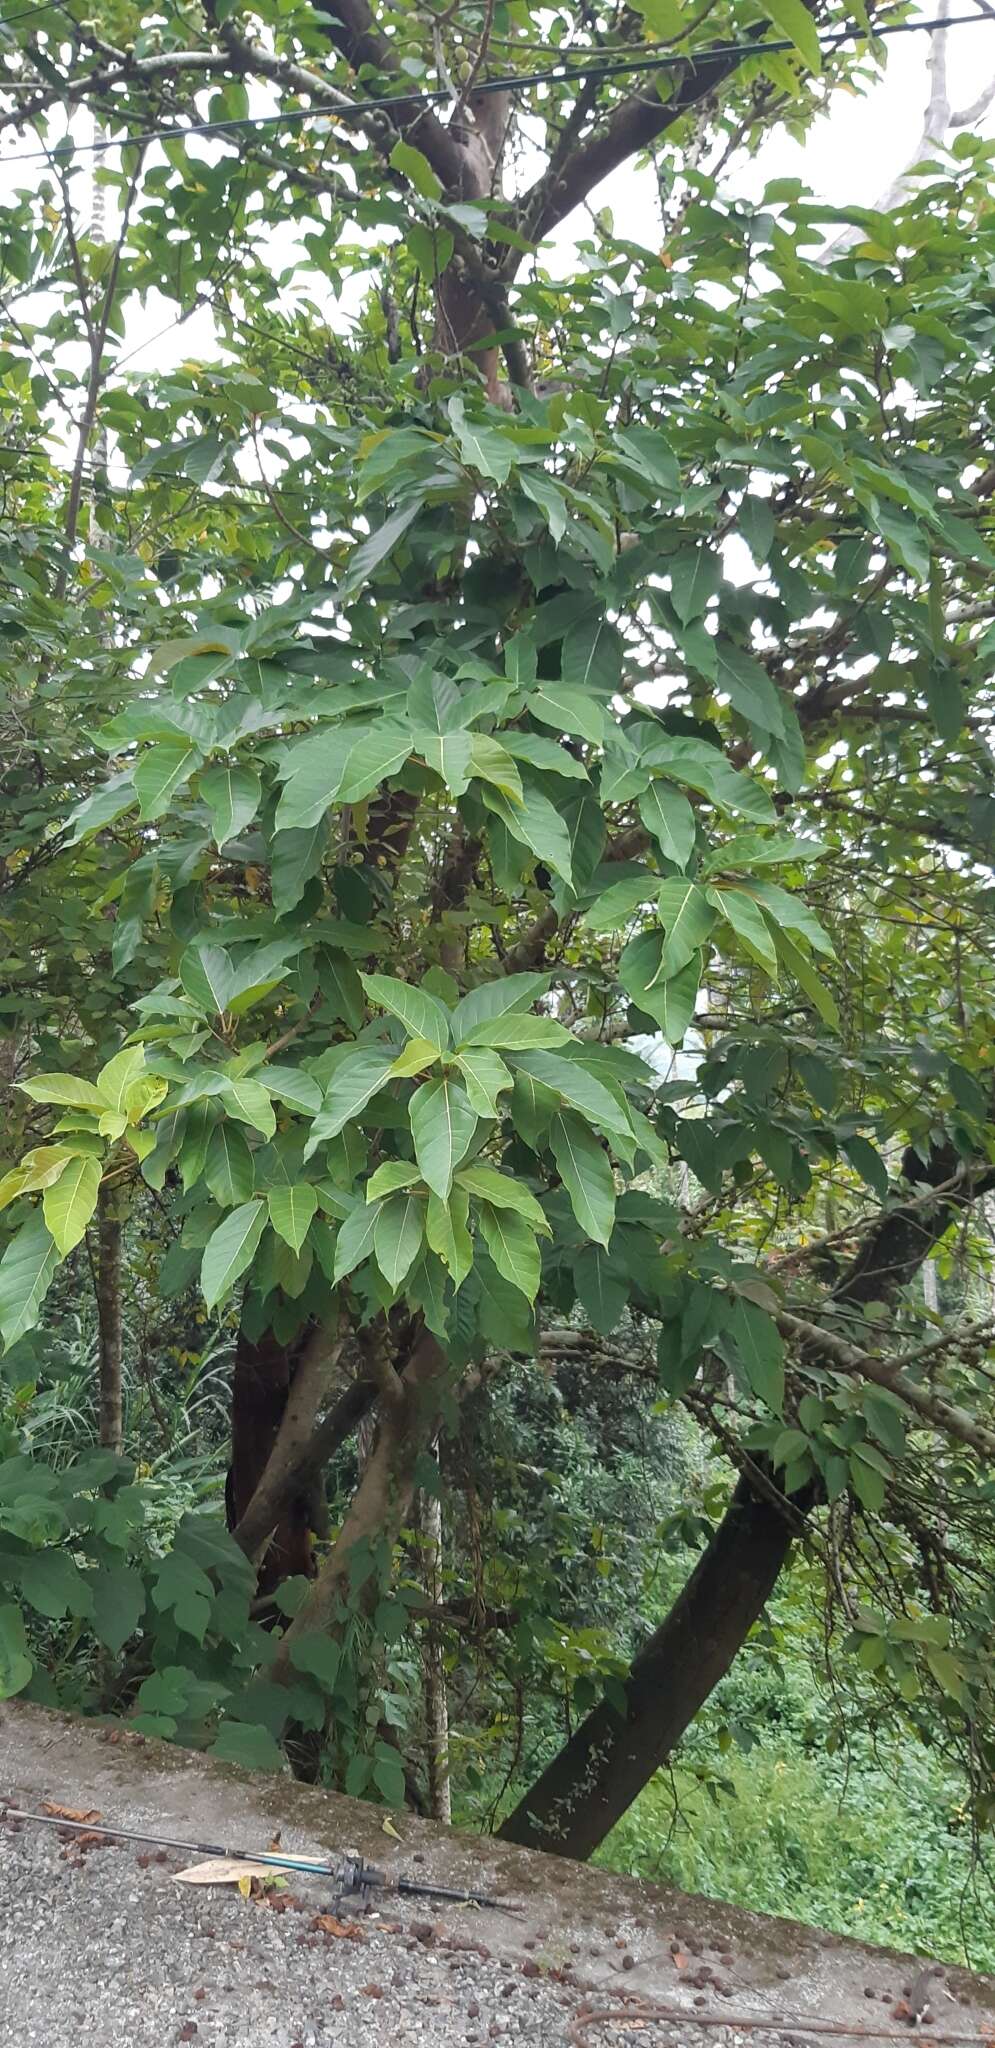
x=496, y=838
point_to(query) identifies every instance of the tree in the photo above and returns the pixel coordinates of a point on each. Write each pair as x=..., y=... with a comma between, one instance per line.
x=570, y=664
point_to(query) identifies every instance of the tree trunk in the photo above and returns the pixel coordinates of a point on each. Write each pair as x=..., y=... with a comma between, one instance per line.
x=594, y=1779
x=111, y=1212
x=264, y=1375
x=436, y=1703
x=408, y=1420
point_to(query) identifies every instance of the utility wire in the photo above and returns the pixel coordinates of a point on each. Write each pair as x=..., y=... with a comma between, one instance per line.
x=352, y=110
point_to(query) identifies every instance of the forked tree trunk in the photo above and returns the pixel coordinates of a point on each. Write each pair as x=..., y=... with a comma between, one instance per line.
x=261, y=1386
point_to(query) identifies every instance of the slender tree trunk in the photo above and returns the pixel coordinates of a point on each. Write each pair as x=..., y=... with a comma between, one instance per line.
x=930, y=1289
x=594, y=1779
x=111, y=1212
x=436, y=1702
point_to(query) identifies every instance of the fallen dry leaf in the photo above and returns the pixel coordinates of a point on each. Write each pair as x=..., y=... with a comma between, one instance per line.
x=223, y=1870
x=388, y=1828
x=344, y=1930
x=77, y=1813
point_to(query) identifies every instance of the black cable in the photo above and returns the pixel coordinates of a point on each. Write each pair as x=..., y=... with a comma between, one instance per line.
x=559, y=75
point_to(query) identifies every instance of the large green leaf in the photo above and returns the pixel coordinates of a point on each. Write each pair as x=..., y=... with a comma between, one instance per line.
x=232, y=795
x=759, y=1347
x=230, y=1250
x=668, y=817
x=398, y=1235
x=422, y=1015
x=585, y=1171
x=489, y=1184
x=687, y=918
x=249, y=1101
x=160, y=772
x=208, y=976
x=495, y=998
x=578, y=1088
x=291, y=1212
x=513, y=1248
x=447, y=1234
x=749, y=925
x=354, y=1243
x=26, y=1270
x=64, y=1089
x=15, y=1663
x=442, y=1126
x=316, y=766
x=70, y=1202
x=355, y=1081
x=485, y=1077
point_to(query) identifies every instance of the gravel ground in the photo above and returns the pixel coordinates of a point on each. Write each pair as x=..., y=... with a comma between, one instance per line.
x=103, y=1948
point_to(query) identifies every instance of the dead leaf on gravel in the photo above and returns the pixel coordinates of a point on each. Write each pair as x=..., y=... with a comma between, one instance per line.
x=344, y=1930
x=388, y=1828
x=224, y=1870
x=77, y=1813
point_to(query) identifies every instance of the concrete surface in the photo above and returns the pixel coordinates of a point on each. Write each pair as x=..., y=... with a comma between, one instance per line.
x=98, y=1945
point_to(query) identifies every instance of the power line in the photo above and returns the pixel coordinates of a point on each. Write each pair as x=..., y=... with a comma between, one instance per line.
x=352, y=110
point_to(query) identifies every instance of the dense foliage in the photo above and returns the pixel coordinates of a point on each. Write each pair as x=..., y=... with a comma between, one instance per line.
x=495, y=904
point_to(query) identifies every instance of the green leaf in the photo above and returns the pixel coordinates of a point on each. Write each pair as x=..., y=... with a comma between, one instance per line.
x=228, y=1166
x=294, y=858
x=160, y=772
x=398, y=1235
x=669, y=820
x=506, y=992
x=488, y=1184
x=748, y=686
x=759, y=1347
x=687, y=918
x=291, y=1211
x=417, y=169
x=359, y=1077
x=749, y=925
x=318, y=1656
x=512, y=1247
x=621, y=901
x=485, y=1077
x=354, y=1243
x=442, y=1126
x=15, y=1664
x=249, y=1102
x=518, y=1031
x=671, y=1003
x=371, y=760
x=695, y=576
x=579, y=1089
x=293, y=1087
x=602, y=1289
x=118, y=1604
x=544, y=754
x=705, y=768
x=484, y=447
x=230, y=1250
x=491, y=762
x=568, y=710
x=232, y=795
x=53, y=1585
x=208, y=976
x=70, y=1203
x=793, y=19
x=447, y=1234
x=26, y=1270
x=315, y=767
x=807, y=978
x=585, y=1171
x=248, y=1744
x=389, y=1177
x=422, y=1015
x=537, y=824
x=64, y=1089
x=869, y=1164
